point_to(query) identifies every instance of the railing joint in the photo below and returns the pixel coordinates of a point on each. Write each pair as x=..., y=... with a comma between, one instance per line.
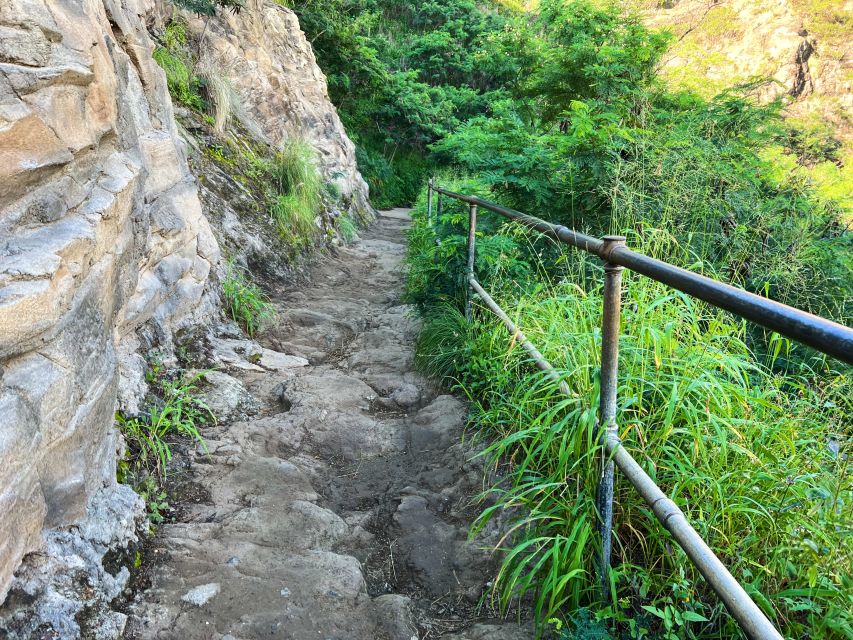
x=609, y=244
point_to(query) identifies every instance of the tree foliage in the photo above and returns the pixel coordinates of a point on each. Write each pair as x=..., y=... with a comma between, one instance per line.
x=403, y=76
x=591, y=136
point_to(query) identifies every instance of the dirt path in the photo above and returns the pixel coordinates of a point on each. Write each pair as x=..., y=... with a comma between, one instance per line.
x=339, y=509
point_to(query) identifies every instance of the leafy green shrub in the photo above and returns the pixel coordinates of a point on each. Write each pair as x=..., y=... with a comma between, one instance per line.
x=621, y=154
x=813, y=141
x=581, y=626
x=195, y=79
x=245, y=301
x=436, y=270
x=156, y=501
x=175, y=35
x=402, y=76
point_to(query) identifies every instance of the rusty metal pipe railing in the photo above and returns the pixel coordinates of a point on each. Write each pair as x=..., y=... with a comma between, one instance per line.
x=472, y=235
x=610, y=322
x=521, y=339
x=429, y=202
x=829, y=337
x=737, y=601
x=742, y=608
x=555, y=231
x=826, y=336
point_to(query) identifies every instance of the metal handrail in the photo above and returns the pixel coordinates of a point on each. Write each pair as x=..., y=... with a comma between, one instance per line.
x=829, y=337
x=824, y=335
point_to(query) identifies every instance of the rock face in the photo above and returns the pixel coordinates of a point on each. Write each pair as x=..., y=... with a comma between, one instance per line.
x=101, y=233
x=802, y=46
x=105, y=249
x=66, y=590
x=264, y=53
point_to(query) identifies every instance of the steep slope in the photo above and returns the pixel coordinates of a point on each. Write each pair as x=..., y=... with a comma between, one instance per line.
x=803, y=46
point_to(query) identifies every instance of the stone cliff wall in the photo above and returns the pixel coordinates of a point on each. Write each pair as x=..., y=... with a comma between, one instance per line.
x=105, y=249
x=262, y=50
x=101, y=232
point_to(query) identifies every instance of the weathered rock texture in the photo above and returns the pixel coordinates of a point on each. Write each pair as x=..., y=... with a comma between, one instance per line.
x=101, y=232
x=66, y=591
x=803, y=45
x=105, y=249
x=264, y=53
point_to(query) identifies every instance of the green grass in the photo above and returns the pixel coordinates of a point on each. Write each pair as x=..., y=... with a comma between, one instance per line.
x=245, y=302
x=195, y=79
x=183, y=84
x=758, y=461
x=174, y=58
x=222, y=97
x=347, y=229
x=177, y=412
x=297, y=198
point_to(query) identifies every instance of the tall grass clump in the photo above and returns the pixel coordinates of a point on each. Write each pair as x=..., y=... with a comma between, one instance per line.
x=174, y=57
x=297, y=198
x=245, y=302
x=222, y=96
x=347, y=228
x=183, y=84
x=757, y=460
x=194, y=78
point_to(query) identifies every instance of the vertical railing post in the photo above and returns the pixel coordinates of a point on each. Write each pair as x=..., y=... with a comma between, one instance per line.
x=472, y=230
x=429, y=202
x=612, y=307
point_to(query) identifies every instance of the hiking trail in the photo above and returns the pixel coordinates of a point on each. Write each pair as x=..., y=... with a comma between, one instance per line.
x=339, y=507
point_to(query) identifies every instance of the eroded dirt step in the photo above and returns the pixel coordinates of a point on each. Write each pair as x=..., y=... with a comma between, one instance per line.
x=339, y=508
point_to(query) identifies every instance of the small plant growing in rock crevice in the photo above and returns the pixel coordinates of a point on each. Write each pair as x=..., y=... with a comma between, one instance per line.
x=245, y=302
x=347, y=229
x=174, y=411
x=208, y=7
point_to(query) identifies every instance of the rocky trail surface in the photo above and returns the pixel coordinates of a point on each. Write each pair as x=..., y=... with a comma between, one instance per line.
x=339, y=508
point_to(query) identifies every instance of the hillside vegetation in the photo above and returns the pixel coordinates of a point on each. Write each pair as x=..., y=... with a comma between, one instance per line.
x=561, y=112
x=803, y=45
